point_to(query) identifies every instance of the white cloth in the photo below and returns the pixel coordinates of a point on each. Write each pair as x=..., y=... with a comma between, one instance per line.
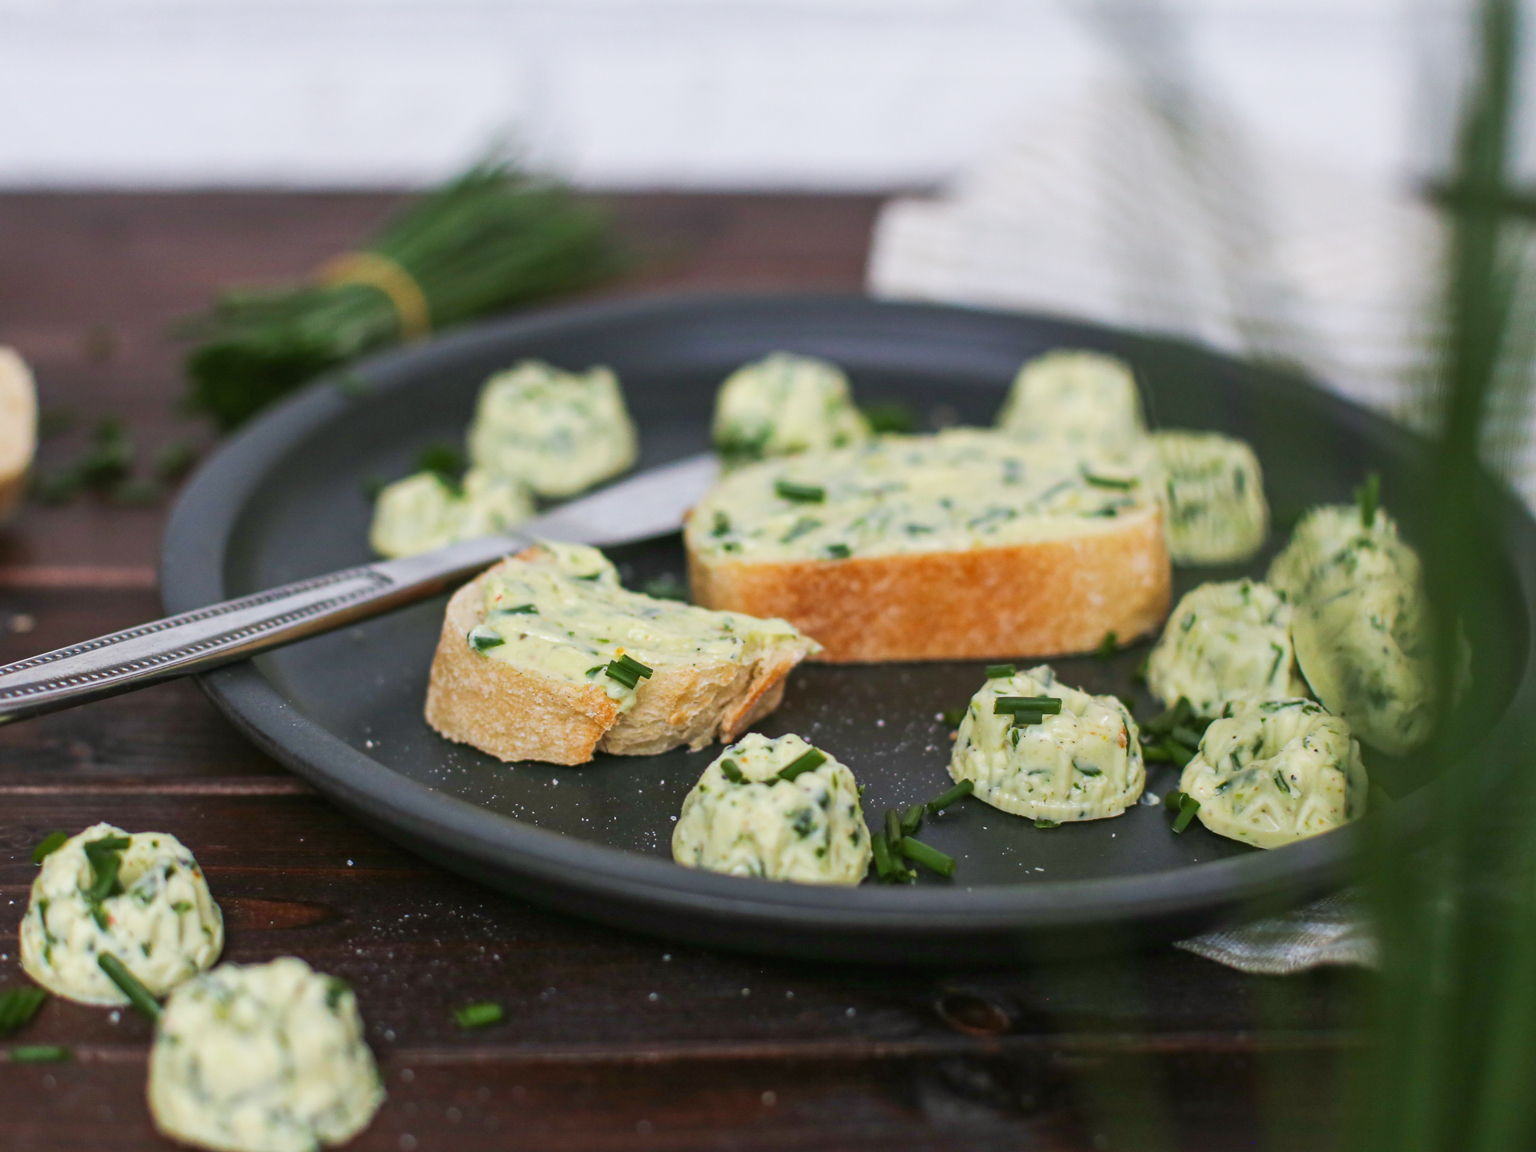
x=1333, y=930
x=1159, y=214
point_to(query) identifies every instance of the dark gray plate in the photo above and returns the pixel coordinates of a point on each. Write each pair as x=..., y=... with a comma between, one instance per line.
x=285, y=500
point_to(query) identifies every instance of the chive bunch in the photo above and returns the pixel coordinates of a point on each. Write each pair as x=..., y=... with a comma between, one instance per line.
x=895, y=841
x=492, y=238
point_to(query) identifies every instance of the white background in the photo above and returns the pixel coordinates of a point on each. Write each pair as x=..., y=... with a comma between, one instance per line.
x=836, y=94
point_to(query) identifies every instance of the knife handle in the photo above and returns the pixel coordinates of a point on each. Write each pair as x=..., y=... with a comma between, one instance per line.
x=206, y=638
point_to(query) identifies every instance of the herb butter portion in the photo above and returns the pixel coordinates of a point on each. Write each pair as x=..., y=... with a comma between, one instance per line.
x=963, y=488
x=744, y=818
x=562, y=614
x=1362, y=628
x=1273, y=773
x=558, y=432
x=1085, y=399
x=1227, y=643
x=262, y=1058
x=138, y=896
x=1214, y=492
x=424, y=511
x=783, y=404
x=1083, y=762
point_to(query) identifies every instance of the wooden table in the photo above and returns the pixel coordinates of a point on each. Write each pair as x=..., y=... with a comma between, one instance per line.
x=612, y=1041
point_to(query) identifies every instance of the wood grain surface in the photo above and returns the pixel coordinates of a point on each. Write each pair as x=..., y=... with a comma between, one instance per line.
x=611, y=1041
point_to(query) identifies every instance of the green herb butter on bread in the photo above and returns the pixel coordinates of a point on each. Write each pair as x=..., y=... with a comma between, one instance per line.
x=545, y=657
x=966, y=544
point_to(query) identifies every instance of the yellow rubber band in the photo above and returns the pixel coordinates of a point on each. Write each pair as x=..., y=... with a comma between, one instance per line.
x=377, y=271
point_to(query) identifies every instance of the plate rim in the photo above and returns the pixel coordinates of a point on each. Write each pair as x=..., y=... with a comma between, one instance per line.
x=195, y=552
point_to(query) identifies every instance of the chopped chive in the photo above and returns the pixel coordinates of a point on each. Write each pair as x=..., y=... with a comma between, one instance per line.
x=1044, y=823
x=731, y=772
x=482, y=638
x=722, y=525
x=1000, y=671
x=1050, y=705
x=959, y=792
x=893, y=829
x=1108, y=481
x=1186, y=737
x=335, y=989
x=927, y=856
x=105, y=857
x=480, y=1015
x=953, y=716
x=799, y=528
x=800, y=493
x=41, y=1054
x=520, y=610
x=1088, y=770
x=889, y=416
x=885, y=867
x=140, y=997
x=49, y=844
x=912, y=819
x=1167, y=751
x=627, y=670
x=1107, y=646
x=666, y=587
x=18, y=1006
x=181, y=907
x=807, y=761
x=1188, y=806
x=839, y=551
x=1165, y=722
x=1368, y=497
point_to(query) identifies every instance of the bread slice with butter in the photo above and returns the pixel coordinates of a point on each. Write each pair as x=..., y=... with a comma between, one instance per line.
x=964, y=545
x=18, y=429
x=545, y=657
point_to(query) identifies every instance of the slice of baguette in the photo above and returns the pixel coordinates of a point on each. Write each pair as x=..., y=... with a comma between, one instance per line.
x=522, y=714
x=18, y=429
x=1045, y=598
x=965, y=545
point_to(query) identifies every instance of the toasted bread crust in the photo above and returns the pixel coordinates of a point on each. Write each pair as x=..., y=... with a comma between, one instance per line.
x=1045, y=598
x=517, y=715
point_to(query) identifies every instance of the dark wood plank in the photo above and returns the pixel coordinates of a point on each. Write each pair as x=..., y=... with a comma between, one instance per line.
x=416, y=942
x=613, y=1040
x=1008, y=1101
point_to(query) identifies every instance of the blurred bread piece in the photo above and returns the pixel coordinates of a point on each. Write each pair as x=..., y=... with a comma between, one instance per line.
x=18, y=429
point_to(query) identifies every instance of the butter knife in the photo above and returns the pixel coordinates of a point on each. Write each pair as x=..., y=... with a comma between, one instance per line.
x=643, y=506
